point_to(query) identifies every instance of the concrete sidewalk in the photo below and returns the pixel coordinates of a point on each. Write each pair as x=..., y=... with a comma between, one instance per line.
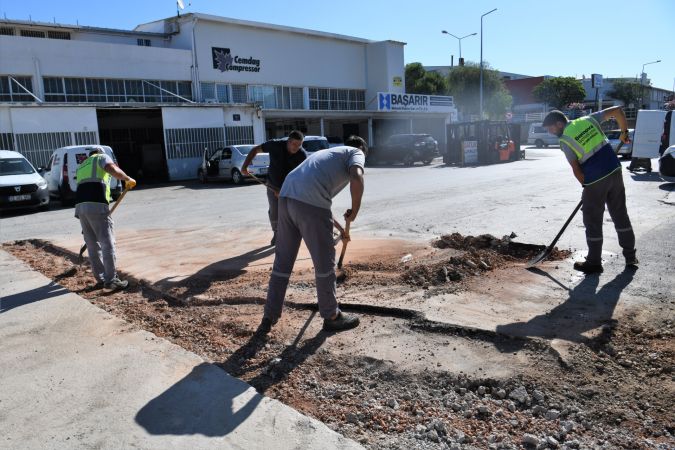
x=73, y=376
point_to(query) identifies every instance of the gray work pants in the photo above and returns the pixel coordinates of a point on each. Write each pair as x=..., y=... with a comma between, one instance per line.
x=301, y=221
x=273, y=211
x=97, y=228
x=611, y=192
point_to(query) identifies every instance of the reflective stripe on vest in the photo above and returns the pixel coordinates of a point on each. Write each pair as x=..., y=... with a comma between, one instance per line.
x=585, y=137
x=90, y=171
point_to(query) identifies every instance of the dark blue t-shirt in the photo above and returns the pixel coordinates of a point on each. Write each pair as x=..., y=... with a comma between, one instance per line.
x=281, y=162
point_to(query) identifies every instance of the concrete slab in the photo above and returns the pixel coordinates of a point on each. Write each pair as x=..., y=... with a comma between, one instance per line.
x=76, y=377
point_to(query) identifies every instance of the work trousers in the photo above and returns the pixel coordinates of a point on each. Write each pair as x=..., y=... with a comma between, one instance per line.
x=301, y=221
x=609, y=191
x=97, y=228
x=273, y=211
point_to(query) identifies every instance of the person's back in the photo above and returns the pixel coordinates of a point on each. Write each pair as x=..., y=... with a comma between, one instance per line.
x=322, y=176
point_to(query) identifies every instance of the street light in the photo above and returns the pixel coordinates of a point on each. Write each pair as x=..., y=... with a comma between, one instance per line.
x=642, y=78
x=481, y=61
x=460, y=42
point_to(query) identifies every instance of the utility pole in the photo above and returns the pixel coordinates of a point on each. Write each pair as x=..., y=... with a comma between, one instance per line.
x=642, y=82
x=481, y=61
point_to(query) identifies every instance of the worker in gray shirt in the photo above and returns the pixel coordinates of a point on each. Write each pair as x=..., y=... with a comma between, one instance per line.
x=305, y=214
x=92, y=199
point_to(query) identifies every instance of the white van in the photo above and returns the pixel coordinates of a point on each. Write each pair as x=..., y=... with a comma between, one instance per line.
x=651, y=135
x=540, y=137
x=62, y=166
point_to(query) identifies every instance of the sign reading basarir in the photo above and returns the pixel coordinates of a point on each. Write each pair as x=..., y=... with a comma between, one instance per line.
x=224, y=61
x=390, y=101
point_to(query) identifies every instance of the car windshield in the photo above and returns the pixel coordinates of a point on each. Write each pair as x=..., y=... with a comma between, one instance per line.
x=245, y=149
x=313, y=146
x=15, y=166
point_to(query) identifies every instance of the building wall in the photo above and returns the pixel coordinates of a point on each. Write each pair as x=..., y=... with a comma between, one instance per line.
x=384, y=61
x=52, y=57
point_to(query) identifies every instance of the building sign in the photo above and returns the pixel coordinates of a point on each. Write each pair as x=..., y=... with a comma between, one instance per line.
x=389, y=101
x=596, y=80
x=398, y=81
x=470, y=152
x=224, y=61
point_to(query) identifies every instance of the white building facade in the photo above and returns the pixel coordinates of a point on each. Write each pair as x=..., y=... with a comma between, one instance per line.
x=195, y=81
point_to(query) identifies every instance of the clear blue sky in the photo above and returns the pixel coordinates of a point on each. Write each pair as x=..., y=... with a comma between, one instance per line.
x=525, y=36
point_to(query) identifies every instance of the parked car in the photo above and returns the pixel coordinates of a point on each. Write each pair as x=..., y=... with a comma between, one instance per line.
x=407, y=149
x=21, y=186
x=335, y=141
x=225, y=164
x=61, y=170
x=626, y=150
x=313, y=144
x=667, y=164
x=540, y=137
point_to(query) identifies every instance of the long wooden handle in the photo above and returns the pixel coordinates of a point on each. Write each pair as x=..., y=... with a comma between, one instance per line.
x=344, y=245
x=119, y=200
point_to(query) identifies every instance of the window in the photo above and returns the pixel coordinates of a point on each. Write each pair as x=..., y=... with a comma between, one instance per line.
x=239, y=93
x=222, y=93
x=54, y=90
x=239, y=135
x=227, y=153
x=32, y=33
x=75, y=90
x=53, y=34
x=144, y=42
x=7, y=141
x=95, y=90
x=297, y=98
x=134, y=90
x=208, y=91
x=336, y=99
x=10, y=91
x=115, y=91
x=6, y=31
x=318, y=99
x=266, y=96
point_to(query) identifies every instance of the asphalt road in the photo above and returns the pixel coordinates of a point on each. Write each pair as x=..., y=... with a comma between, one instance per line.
x=532, y=198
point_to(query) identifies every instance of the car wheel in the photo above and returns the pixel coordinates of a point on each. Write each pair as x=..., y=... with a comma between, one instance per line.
x=237, y=177
x=538, y=143
x=408, y=160
x=202, y=176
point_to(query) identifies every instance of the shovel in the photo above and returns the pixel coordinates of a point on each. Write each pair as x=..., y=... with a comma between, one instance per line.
x=112, y=210
x=547, y=251
x=341, y=274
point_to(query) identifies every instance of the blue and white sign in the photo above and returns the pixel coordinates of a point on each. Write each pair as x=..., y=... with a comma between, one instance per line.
x=390, y=101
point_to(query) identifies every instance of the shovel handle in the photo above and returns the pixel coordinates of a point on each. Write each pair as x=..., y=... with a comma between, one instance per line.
x=117, y=203
x=344, y=245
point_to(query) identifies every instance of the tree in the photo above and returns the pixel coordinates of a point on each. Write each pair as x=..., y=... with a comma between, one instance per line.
x=419, y=81
x=625, y=90
x=560, y=92
x=464, y=86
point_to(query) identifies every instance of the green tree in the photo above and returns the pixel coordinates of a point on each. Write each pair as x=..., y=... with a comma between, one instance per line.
x=560, y=91
x=419, y=81
x=464, y=86
x=627, y=91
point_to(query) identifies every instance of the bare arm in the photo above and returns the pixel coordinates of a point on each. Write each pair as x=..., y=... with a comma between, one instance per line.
x=620, y=116
x=356, y=186
x=249, y=158
x=115, y=171
x=576, y=168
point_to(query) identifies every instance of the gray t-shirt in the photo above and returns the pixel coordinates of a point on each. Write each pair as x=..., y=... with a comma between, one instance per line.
x=95, y=208
x=322, y=176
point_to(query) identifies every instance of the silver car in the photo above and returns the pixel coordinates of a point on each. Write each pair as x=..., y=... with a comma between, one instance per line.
x=627, y=149
x=225, y=164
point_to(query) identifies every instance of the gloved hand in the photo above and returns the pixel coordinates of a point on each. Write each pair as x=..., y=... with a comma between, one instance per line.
x=625, y=137
x=130, y=183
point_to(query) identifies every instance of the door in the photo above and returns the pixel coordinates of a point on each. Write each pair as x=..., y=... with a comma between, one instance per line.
x=226, y=163
x=213, y=164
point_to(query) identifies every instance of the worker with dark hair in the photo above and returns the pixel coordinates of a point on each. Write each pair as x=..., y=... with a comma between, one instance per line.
x=92, y=199
x=598, y=169
x=305, y=214
x=285, y=155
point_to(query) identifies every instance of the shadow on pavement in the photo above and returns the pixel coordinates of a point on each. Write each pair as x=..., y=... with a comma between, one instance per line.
x=584, y=310
x=646, y=176
x=668, y=187
x=224, y=270
x=204, y=402
x=49, y=290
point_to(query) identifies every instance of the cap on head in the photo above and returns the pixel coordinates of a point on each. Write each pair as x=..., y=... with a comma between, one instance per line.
x=554, y=117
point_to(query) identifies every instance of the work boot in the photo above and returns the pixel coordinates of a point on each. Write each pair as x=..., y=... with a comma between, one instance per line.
x=587, y=268
x=341, y=322
x=273, y=242
x=115, y=285
x=632, y=263
x=265, y=326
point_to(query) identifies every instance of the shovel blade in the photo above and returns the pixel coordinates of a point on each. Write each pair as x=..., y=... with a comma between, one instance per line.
x=539, y=258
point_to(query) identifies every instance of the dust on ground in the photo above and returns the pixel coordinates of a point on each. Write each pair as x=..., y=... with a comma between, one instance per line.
x=615, y=391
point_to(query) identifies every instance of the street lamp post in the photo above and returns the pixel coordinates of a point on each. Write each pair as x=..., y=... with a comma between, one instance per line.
x=481, y=61
x=460, y=42
x=642, y=81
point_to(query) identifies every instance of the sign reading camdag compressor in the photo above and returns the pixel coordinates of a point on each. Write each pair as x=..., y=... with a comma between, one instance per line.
x=390, y=101
x=225, y=62
x=470, y=152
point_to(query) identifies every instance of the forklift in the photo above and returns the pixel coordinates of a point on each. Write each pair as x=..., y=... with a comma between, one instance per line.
x=484, y=142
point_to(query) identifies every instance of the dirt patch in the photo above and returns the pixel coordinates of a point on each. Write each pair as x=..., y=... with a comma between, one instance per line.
x=616, y=391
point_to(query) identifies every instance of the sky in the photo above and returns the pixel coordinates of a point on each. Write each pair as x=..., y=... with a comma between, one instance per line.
x=558, y=38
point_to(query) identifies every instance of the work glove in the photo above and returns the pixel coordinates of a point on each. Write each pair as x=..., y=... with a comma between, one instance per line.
x=130, y=184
